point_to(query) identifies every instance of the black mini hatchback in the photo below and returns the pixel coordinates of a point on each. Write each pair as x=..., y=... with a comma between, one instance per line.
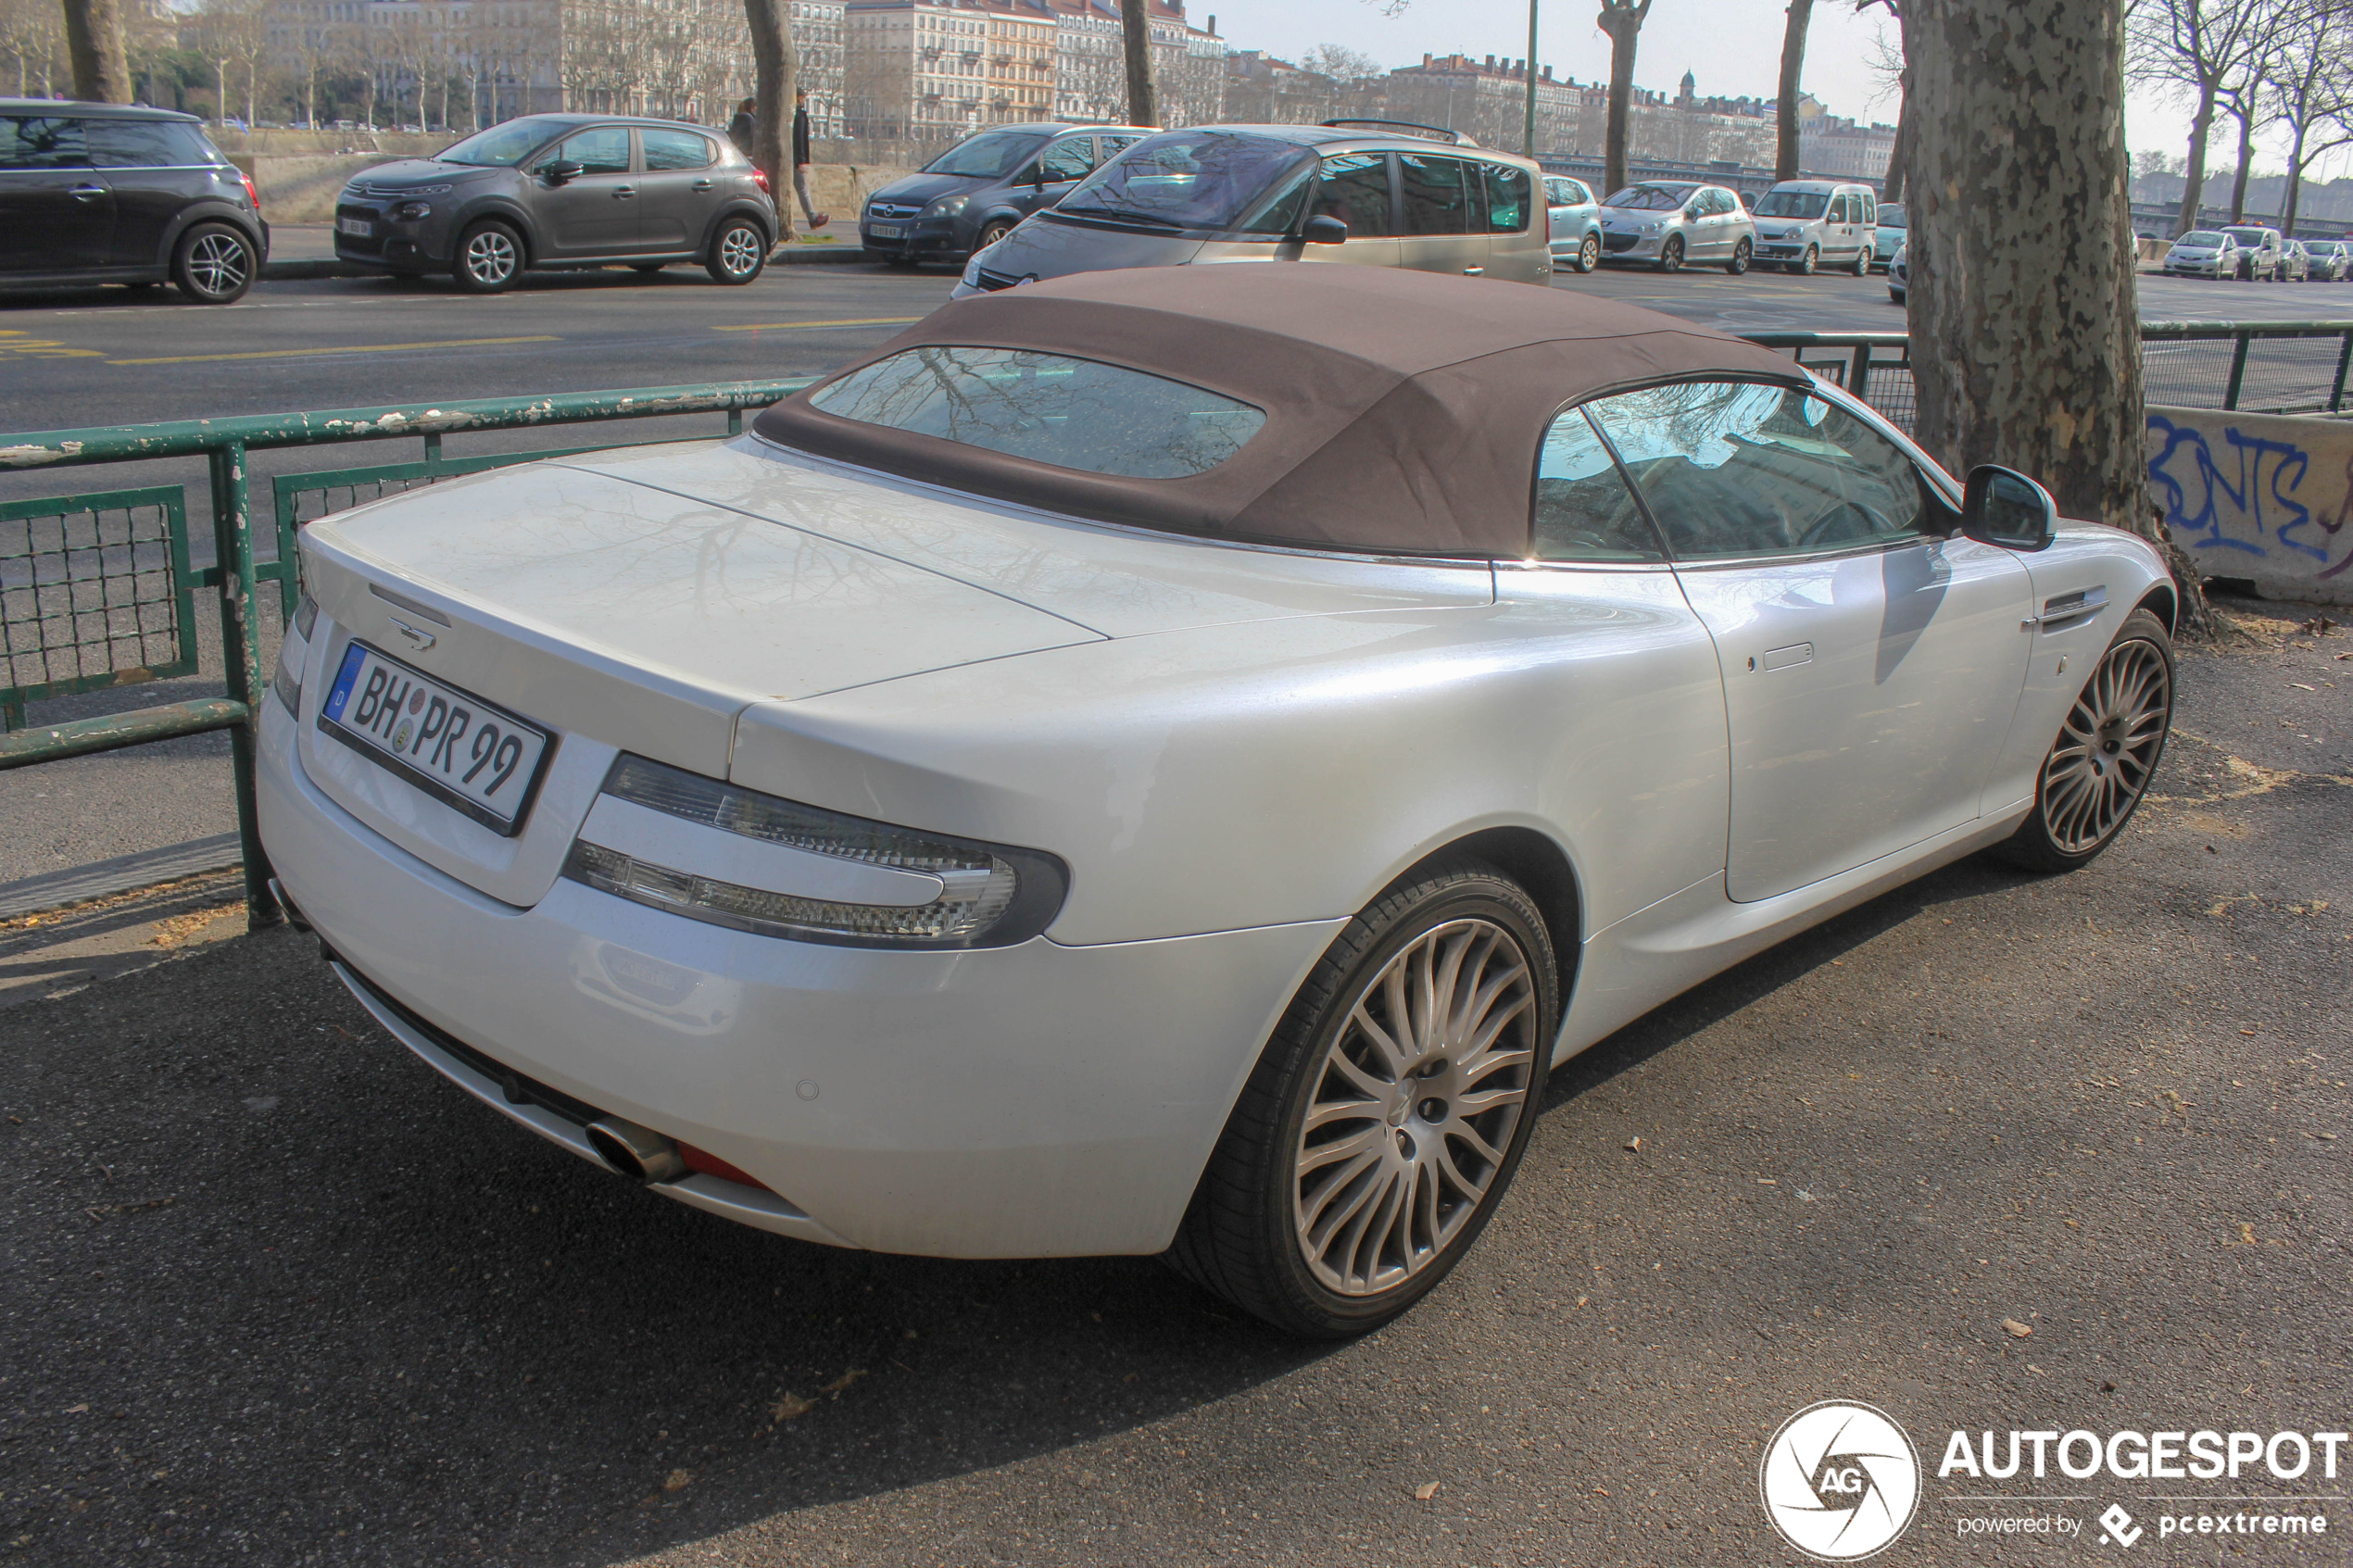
x=114, y=193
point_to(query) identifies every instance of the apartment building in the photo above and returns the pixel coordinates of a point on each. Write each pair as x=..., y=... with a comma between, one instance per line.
x=1021, y=61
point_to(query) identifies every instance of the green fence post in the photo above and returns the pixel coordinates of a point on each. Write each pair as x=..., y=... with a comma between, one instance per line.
x=1858, y=378
x=2238, y=371
x=241, y=662
x=2337, y=391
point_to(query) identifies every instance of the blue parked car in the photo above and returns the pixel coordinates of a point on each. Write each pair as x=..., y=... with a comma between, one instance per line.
x=1890, y=239
x=1576, y=223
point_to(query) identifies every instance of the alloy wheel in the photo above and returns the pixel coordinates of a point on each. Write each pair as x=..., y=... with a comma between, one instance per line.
x=1416, y=1100
x=740, y=251
x=490, y=258
x=2107, y=747
x=219, y=264
x=1589, y=254
x=1670, y=255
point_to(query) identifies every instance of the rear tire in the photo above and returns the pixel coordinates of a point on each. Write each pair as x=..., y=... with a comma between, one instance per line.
x=214, y=264
x=1863, y=262
x=1396, y=1148
x=489, y=258
x=1741, y=255
x=1589, y=254
x=738, y=251
x=2096, y=771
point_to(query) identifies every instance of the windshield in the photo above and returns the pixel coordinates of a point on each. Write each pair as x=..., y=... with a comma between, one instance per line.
x=503, y=147
x=988, y=156
x=1892, y=217
x=1650, y=198
x=1793, y=204
x=1219, y=180
x=2247, y=236
x=2199, y=237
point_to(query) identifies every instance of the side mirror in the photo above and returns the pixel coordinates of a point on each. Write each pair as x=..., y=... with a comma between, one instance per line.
x=1034, y=177
x=1324, y=229
x=563, y=169
x=2003, y=507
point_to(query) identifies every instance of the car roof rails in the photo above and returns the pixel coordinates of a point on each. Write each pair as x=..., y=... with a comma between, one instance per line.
x=1433, y=133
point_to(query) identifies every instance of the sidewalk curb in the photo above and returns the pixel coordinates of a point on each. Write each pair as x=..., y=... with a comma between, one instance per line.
x=326, y=266
x=124, y=874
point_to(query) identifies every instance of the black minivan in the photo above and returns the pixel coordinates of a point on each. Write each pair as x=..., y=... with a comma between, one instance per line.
x=119, y=194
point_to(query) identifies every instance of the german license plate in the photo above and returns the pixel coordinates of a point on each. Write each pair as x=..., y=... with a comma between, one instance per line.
x=474, y=755
x=358, y=226
x=887, y=231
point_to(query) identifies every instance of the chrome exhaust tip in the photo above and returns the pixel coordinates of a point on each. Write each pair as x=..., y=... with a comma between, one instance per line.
x=639, y=1153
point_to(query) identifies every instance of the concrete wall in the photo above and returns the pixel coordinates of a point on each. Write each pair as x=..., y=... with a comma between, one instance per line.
x=300, y=188
x=2263, y=497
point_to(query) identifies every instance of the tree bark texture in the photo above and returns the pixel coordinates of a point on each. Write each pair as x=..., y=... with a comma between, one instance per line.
x=1801, y=12
x=2246, y=158
x=2194, y=176
x=94, y=38
x=2025, y=322
x=1136, y=34
x=1899, y=156
x=774, y=65
x=1622, y=19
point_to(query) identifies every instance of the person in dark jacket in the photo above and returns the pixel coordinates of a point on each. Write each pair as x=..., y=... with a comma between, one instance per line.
x=800, y=159
x=740, y=128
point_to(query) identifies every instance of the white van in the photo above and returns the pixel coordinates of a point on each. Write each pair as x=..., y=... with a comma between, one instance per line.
x=1805, y=224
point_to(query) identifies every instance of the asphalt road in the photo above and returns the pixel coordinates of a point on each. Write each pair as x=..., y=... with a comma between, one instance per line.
x=276, y=1294
x=112, y=355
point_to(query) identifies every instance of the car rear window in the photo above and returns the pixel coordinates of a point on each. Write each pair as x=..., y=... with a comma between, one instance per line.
x=148, y=144
x=1048, y=408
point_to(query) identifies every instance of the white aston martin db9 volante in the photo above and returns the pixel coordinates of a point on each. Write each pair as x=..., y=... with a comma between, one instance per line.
x=1165, y=761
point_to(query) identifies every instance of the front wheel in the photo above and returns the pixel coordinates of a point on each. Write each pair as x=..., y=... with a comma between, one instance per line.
x=1670, y=255
x=1380, y=1127
x=2108, y=747
x=1589, y=254
x=738, y=251
x=214, y=264
x=1804, y=265
x=991, y=232
x=1863, y=263
x=489, y=258
x=1741, y=255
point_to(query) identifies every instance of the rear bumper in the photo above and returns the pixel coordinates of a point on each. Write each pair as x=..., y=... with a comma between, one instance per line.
x=1036, y=1100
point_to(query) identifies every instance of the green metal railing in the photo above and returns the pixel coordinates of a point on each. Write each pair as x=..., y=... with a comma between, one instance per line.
x=97, y=589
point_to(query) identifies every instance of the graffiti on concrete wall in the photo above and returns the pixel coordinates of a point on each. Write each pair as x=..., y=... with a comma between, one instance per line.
x=2263, y=496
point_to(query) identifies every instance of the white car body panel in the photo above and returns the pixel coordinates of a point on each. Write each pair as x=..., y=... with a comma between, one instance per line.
x=1233, y=750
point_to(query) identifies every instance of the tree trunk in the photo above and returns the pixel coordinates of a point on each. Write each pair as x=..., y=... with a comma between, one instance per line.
x=1899, y=156
x=1793, y=65
x=2193, y=182
x=1136, y=34
x=2024, y=317
x=1622, y=19
x=94, y=38
x=775, y=66
x=2246, y=158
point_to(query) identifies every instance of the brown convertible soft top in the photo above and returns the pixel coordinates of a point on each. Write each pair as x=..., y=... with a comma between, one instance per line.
x=1403, y=409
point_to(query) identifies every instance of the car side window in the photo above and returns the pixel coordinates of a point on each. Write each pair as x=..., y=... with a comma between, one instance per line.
x=1578, y=194
x=1505, y=209
x=42, y=141
x=1869, y=213
x=1739, y=469
x=1110, y=148
x=1068, y=160
x=674, y=149
x=604, y=150
x=1354, y=188
x=1432, y=193
x=1583, y=510
x=146, y=143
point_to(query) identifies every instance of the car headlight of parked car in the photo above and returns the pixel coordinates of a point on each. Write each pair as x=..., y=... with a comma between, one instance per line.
x=935, y=891
x=408, y=212
x=1653, y=227
x=947, y=206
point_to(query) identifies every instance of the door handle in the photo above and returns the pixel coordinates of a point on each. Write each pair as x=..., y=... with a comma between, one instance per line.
x=621, y=193
x=1474, y=272
x=702, y=184
x=83, y=192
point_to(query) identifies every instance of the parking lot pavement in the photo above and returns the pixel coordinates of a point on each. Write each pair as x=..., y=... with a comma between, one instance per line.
x=276, y=1293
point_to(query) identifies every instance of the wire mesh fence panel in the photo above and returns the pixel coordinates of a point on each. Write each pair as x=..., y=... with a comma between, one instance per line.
x=95, y=591
x=2288, y=374
x=1889, y=391
x=2193, y=374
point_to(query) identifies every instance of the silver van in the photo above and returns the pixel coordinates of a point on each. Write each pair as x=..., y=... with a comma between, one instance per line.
x=1805, y=224
x=1366, y=192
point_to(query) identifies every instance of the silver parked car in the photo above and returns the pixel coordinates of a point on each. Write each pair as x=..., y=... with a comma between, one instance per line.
x=1899, y=274
x=2203, y=252
x=1888, y=237
x=561, y=190
x=1665, y=223
x=2260, y=251
x=1385, y=196
x=2296, y=263
x=1805, y=224
x=2329, y=260
x=1574, y=219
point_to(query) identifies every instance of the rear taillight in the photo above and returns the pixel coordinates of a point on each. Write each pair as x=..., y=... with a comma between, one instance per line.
x=762, y=175
x=251, y=194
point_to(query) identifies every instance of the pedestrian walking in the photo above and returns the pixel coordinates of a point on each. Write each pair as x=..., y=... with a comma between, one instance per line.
x=800, y=159
x=739, y=129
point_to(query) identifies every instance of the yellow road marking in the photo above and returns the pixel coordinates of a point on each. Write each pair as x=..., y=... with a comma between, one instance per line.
x=789, y=326
x=354, y=349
